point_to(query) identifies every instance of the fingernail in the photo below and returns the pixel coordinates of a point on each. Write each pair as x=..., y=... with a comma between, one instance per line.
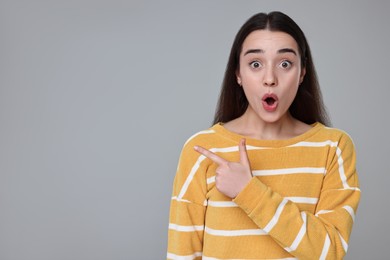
x=196, y=148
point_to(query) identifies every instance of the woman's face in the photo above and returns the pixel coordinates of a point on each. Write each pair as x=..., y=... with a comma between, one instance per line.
x=270, y=73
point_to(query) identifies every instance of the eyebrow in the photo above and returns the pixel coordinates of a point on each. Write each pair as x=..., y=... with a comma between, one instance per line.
x=284, y=50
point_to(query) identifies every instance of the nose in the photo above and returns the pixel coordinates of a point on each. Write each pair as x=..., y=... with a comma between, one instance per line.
x=269, y=79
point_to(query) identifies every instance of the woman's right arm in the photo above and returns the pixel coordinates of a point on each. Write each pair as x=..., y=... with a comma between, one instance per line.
x=188, y=206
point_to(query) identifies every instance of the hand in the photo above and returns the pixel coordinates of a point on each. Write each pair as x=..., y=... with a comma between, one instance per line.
x=231, y=177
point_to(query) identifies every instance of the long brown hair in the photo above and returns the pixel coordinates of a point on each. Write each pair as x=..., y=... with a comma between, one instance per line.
x=307, y=106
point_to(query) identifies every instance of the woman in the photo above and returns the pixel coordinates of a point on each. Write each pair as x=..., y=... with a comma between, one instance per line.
x=268, y=180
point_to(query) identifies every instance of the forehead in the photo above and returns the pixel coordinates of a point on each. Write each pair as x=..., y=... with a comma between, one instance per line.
x=269, y=40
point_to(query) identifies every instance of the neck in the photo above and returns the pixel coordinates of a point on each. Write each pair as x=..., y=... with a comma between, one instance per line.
x=249, y=124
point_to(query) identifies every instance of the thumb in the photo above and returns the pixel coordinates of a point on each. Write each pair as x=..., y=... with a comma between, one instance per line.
x=243, y=153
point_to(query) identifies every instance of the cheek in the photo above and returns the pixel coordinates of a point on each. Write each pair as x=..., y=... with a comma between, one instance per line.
x=292, y=85
x=291, y=94
x=246, y=77
x=251, y=91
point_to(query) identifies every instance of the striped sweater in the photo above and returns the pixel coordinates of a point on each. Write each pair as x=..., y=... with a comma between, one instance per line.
x=300, y=203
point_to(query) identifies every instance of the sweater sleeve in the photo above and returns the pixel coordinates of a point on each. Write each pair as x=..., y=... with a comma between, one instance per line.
x=323, y=235
x=187, y=211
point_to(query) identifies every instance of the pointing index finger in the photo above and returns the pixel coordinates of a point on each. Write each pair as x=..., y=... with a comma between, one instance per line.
x=243, y=153
x=209, y=154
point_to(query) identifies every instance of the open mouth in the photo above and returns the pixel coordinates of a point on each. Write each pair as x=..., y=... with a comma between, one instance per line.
x=270, y=102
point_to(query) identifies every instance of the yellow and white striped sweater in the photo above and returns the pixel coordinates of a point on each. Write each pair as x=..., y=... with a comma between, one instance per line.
x=301, y=202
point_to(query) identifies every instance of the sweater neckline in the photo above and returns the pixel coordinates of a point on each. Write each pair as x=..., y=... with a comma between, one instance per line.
x=220, y=129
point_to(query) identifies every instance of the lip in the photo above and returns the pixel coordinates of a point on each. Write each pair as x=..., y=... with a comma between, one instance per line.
x=266, y=106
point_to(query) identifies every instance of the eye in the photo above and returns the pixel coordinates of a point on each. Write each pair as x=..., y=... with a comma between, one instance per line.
x=285, y=64
x=255, y=64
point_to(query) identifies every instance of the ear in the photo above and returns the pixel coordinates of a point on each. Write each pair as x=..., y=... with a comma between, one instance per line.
x=238, y=77
x=303, y=73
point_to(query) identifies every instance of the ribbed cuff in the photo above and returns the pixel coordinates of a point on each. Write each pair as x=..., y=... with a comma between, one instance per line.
x=250, y=197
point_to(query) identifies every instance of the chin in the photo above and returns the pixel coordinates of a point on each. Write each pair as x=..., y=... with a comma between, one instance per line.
x=271, y=119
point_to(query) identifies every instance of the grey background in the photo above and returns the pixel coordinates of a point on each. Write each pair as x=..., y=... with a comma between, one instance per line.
x=98, y=97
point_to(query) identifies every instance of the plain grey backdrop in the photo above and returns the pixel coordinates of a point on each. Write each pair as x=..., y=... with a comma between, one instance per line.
x=98, y=97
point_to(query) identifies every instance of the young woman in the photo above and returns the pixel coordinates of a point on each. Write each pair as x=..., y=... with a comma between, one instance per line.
x=269, y=180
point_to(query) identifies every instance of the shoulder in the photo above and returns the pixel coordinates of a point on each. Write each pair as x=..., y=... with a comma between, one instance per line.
x=202, y=135
x=341, y=137
x=204, y=138
x=188, y=156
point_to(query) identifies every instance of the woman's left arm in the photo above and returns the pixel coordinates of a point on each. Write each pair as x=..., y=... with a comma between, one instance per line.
x=323, y=235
